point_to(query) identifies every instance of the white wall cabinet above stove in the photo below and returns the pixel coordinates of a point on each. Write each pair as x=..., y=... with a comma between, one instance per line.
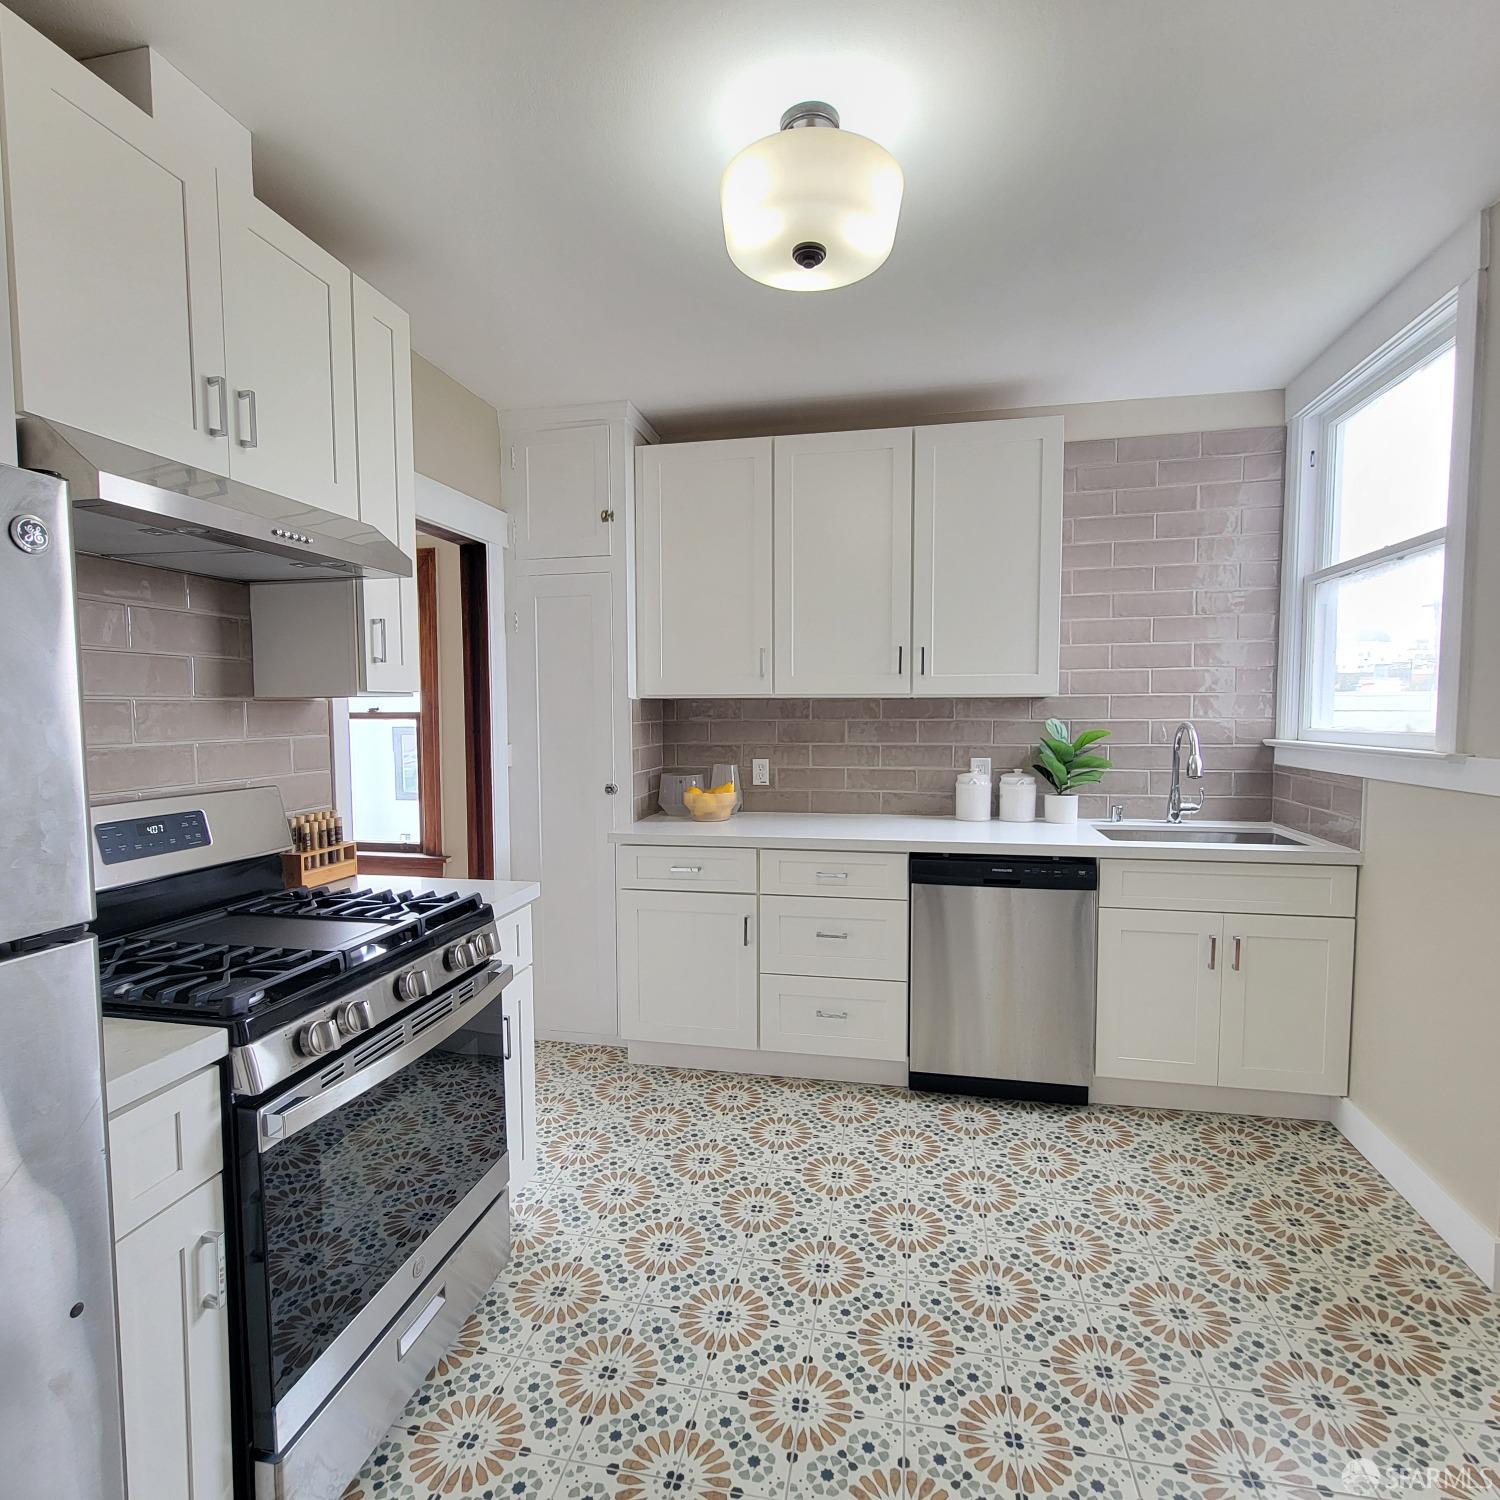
x=827, y=565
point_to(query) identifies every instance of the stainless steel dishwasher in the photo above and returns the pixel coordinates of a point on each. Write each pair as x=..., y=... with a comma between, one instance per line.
x=1002, y=976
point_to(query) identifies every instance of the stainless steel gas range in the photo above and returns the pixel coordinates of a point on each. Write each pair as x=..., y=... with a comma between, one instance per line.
x=365, y=1120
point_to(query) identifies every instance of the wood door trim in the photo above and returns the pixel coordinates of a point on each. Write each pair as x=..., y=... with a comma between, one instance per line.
x=473, y=563
x=430, y=741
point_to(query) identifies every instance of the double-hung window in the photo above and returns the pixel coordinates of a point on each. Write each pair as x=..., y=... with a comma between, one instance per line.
x=1372, y=497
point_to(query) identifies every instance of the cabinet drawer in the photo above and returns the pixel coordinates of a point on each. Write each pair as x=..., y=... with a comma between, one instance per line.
x=809, y=872
x=1212, y=885
x=657, y=867
x=833, y=1017
x=515, y=938
x=164, y=1147
x=842, y=939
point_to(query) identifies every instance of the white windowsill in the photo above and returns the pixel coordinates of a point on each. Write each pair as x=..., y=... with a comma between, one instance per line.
x=1447, y=770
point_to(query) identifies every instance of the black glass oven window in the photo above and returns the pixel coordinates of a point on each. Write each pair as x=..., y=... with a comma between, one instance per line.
x=348, y=1198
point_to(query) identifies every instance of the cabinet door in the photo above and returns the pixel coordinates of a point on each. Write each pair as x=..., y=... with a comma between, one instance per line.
x=114, y=260
x=561, y=677
x=688, y=968
x=1158, y=1014
x=520, y=1080
x=387, y=486
x=843, y=563
x=1288, y=988
x=558, y=490
x=289, y=340
x=703, y=569
x=174, y=1351
x=987, y=557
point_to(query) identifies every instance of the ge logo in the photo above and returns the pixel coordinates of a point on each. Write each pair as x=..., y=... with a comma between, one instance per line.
x=29, y=533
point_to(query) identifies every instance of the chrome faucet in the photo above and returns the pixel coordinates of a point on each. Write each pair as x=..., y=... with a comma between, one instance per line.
x=1176, y=807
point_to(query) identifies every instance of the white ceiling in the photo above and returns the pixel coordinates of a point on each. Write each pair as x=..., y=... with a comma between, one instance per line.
x=1103, y=201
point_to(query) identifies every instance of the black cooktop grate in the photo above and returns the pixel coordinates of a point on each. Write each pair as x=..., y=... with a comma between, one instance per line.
x=429, y=911
x=156, y=975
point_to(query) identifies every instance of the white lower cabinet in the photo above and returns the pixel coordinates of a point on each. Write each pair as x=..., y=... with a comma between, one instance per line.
x=519, y=1021
x=1238, y=1000
x=833, y=1017
x=174, y=1327
x=688, y=968
x=837, y=937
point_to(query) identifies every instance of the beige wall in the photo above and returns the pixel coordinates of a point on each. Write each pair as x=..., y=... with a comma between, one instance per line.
x=455, y=434
x=1426, y=1046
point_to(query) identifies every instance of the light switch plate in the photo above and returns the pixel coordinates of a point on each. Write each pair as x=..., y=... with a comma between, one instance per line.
x=980, y=764
x=760, y=773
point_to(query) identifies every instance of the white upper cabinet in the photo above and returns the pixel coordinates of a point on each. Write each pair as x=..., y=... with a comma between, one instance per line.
x=987, y=557
x=387, y=487
x=114, y=260
x=558, y=489
x=703, y=569
x=288, y=325
x=843, y=563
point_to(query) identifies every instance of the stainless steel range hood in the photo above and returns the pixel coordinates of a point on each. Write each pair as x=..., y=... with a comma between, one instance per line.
x=134, y=505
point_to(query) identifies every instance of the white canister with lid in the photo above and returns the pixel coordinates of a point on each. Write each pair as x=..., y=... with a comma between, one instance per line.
x=971, y=797
x=1017, y=797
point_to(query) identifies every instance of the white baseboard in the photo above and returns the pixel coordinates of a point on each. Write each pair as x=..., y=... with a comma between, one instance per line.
x=1210, y=1099
x=1475, y=1245
x=768, y=1064
x=586, y=1038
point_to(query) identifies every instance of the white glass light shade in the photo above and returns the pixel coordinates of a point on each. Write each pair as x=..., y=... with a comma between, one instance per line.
x=820, y=187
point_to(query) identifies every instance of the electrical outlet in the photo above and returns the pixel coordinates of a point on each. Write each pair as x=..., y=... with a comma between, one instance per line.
x=760, y=773
x=980, y=764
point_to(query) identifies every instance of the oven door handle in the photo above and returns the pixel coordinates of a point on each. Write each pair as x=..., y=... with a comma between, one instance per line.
x=298, y=1108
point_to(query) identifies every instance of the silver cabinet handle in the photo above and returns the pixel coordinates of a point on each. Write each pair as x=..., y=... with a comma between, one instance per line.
x=762, y=661
x=245, y=402
x=831, y=875
x=377, y=653
x=924, y=660
x=900, y=659
x=747, y=931
x=210, y=1286
x=424, y=1319
x=214, y=385
x=505, y=1035
x=832, y=1015
x=1235, y=961
x=684, y=869
x=841, y=936
x=1213, y=951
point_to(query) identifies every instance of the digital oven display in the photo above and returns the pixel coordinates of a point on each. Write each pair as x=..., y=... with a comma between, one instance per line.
x=140, y=839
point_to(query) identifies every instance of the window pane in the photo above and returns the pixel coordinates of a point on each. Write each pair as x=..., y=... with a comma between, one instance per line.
x=386, y=789
x=1391, y=463
x=1375, y=648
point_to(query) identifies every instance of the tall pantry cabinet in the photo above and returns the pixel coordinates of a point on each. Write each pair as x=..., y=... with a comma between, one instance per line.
x=568, y=485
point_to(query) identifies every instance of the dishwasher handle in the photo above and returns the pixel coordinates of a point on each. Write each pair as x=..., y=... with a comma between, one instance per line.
x=1000, y=873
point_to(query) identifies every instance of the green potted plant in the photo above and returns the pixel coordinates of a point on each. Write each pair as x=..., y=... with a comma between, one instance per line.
x=1064, y=764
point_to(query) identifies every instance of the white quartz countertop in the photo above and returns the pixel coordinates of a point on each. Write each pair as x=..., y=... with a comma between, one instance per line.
x=143, y=1057
x=505, y=896
x=949, y=836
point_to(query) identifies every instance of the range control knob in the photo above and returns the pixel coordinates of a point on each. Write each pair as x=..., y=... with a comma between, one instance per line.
x=488, y=944
x=356, y=1016
x=457, y=957
x=319, y=1037
x=413, y=985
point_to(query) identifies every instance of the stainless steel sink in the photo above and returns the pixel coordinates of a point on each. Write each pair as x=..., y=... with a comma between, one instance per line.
x=1169, y=833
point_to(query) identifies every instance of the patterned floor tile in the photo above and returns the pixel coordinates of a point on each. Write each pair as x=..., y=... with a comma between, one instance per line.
x=780, y=1288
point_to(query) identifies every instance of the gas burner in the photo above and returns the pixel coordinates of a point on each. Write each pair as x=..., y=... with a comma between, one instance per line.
x=428, y=912
x=156, y=975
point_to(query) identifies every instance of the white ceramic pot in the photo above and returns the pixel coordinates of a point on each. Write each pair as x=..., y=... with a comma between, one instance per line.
x=1058, y=807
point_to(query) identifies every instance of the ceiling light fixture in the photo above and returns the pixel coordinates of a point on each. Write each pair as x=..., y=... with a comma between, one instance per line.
x=811, y=207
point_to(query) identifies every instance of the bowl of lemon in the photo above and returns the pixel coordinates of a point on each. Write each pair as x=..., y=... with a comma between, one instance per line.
x=712, y=804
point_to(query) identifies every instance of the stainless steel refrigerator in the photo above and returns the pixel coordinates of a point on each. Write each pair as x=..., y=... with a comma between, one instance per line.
x=60, y=1423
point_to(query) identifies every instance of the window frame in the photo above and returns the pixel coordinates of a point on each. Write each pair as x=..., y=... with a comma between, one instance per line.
x=1310, y=513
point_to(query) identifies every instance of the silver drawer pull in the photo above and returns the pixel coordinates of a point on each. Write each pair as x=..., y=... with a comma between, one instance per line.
x=832, y=875
x=685, y=870
x=211, y=1287
x=832, y=1015
x=841, y=936
x=424, y=1319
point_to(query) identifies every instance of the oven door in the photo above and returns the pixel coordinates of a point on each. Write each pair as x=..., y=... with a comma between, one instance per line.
x=354, y=1183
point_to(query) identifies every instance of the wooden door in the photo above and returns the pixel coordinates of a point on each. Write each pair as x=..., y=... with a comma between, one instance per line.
x=1158, y=997
x=557, y=488
x=703, y=569
x=561, y=812
x=114, y=261
x=688, y=968
x=1288, y=988
x=289, y=337
x=987, y=557
x=387, y=487
x=174, y=1351
x=843, y=563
